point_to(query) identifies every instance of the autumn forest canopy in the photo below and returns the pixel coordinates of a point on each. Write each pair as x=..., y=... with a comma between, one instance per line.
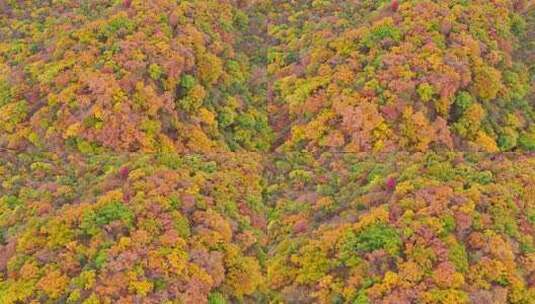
x=267, y=151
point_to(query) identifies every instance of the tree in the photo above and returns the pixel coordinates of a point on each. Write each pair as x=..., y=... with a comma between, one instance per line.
x=487, y=82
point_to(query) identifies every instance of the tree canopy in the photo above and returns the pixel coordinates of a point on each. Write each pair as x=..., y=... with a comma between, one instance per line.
x=267, y=151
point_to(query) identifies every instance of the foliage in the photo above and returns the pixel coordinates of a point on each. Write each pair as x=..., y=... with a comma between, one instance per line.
x=442, y=233
x=119, y=227
x=375, y=237
x=101, y=69
x=365, y=63
x=261, y=151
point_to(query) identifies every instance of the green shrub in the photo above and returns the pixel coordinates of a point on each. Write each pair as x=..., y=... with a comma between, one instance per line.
x=381, y=33
x=93, y=220
x=115, y=25
x=155, y=71
x=458, y=256
x=5, y=93
x=463, y=101
x=216, y=298
x=526, y=141
x=187, y=82
x=426, y=92
x=507, y=140
x=375, y=237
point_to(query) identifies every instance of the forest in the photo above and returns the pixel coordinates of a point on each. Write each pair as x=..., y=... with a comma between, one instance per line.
x=267, y=151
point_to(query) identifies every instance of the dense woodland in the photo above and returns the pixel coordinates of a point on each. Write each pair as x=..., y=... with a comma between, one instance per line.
x=402, y=228
x=288, y=228
x=267, y=151
x=117, y=229
x=159, y=75
x=379, y=76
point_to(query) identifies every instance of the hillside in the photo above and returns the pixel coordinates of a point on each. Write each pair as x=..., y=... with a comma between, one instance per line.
x=159, y=75
x=383, y=76
x=267, y=151
x=402, y=228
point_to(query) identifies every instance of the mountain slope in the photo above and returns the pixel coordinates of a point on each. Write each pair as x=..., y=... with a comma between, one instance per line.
x=155, y=75
x=379, y=76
